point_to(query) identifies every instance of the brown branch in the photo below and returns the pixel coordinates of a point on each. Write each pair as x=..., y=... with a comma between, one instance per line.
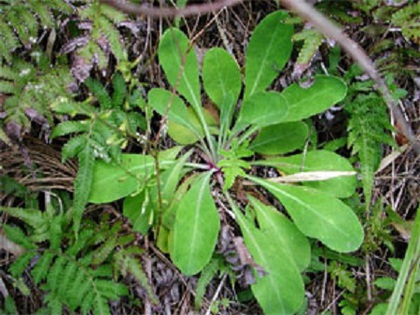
x=325, y=26
x=160, y=12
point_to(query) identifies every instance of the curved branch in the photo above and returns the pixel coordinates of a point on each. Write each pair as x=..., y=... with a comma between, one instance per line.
x=326, y=27
x=161, y=12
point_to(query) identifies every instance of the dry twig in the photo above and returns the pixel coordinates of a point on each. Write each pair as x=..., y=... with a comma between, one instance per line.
x=161, y=12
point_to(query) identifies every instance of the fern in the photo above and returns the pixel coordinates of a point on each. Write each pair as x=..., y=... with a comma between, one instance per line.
x=206, y=276
x=369, y=128
x=31, y=89
x=408, y=19
x=21, y=21
x=312, y=40
x=76, y=273
x=98, y=38
x=107, y=128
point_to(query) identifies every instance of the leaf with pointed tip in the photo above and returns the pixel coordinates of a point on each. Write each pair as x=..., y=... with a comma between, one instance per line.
x=280, y=290
x=323, y=93
x=196, y=227
x=268, y=51
x=319, y=215
x=281, y=138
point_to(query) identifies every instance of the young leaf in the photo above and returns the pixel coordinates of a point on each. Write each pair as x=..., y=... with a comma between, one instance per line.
x=319, y=215
x=281, y=138
x=319, y=160
x=113, y=181
x=262, y=109
x=293, y=245
x=222, y=81
x=196, y=227
x=280, y=290
x=323, y=93
x=268, y=51
x=179, y=62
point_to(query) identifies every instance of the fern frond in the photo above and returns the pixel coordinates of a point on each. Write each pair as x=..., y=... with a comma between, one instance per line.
x=128, y=264
x=73, y=147
x=82, y=185
x=40, y=271
x=67, y=127
x=207, y=274
x=32, y=90
x=32, y=217
x=104, y=251
x=408, y=18
x=22, y=20
x=16, y=235
x=119, y=90
x=369, y=128
x=312, y=39
x=80, y=243
x=100, y=93
x=21, y=263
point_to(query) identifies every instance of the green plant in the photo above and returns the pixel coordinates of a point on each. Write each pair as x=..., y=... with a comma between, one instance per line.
x=103, y=133
x=75, y=272
x=369, y=128
x=30, y=88
x=175, y=197
x=21, y=22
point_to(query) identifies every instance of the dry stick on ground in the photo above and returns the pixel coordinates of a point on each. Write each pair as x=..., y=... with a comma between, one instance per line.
x=309, y=13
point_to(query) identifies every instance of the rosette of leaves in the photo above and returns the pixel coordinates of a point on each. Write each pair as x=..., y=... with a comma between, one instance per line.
x=180, y=206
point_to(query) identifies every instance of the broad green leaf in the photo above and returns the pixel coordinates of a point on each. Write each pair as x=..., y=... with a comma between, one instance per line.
x=319, y=215
x=293, y=245
x=180, y=133
x=83, y=184
x=179, y=62
x=166, y=103
x=280, y=291
x=113, y=181
x=196, y=227
x=138, y=211
x=262, y=109
x=222, y=81
x=221, y=76
x=281, y=138
x=319, y=160
x=183, y=135
x=323, y=93
x=268, y=51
